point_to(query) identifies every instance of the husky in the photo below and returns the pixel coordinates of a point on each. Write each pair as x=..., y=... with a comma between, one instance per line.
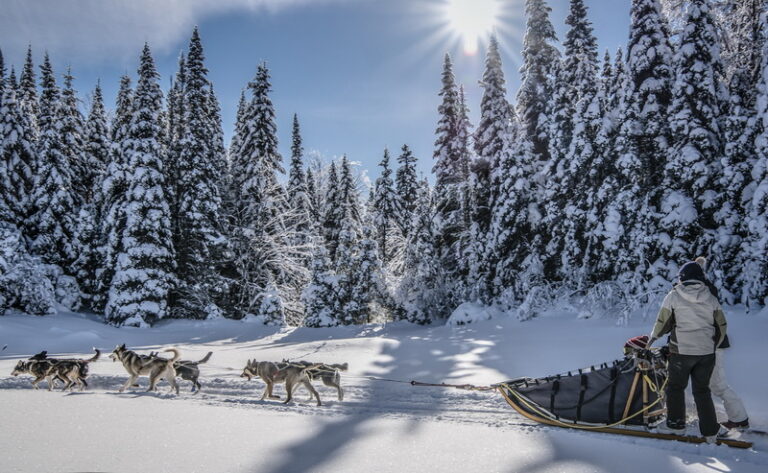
x=188, y=370
x=328, y=373
x=40, y=369
x=70, y=371
x=272, y=373
x=155, y=368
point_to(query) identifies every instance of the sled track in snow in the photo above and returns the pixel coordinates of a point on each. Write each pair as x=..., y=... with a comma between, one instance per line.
x=367, y=399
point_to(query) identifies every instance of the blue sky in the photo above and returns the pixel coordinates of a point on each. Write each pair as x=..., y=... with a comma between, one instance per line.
x=361, y=74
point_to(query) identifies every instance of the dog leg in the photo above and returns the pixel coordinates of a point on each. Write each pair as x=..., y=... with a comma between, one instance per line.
x=131, y=381
x=288, y=391
x=312, y=390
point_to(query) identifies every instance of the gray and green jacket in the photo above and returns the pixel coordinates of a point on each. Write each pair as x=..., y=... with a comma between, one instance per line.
x=693, y=318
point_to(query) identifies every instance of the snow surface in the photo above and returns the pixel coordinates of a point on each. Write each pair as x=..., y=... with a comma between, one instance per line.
x=381, y=426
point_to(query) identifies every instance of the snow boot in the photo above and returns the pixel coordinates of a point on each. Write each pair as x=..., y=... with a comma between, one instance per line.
x=674, y=428
x=723, y=434
x=744, y=424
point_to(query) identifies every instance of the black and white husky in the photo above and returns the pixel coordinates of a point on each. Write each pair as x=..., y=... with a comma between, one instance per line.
x=71, y=371
x=155, y=367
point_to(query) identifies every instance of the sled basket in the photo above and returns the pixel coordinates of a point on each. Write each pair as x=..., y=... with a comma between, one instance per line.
x=624, y=392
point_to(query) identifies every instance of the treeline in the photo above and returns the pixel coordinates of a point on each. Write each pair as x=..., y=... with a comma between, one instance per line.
x=599, y=180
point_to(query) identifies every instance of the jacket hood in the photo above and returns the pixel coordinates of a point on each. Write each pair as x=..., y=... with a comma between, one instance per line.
x=695, y=292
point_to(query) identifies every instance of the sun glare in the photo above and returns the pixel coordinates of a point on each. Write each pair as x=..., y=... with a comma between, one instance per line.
x=473, y=20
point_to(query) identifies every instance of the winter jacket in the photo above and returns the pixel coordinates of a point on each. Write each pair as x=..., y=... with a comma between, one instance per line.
x=694, y=319
x=713, y=289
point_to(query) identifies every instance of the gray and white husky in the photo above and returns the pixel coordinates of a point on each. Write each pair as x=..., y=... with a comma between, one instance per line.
x=155, y=367
x=328, y=373
x=188, y=370
x=273, y=373
x=40, y=369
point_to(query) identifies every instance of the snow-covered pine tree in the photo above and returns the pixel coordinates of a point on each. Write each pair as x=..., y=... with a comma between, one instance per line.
x=405, y=184
x=24, y=284
x=54, y=202
x=315, y=200
x=386, y=209
x=417, y=293
x=73, y=138
x=692, y=194
x=320, y=296
x=539, y=60
x=368, y=281
x=2, y=74
x=350, y=198
x=645, y=142
x=144, y=275
x=112, y=194
x=298, y=196
x=17, y=157
x=97, y=144
x=493, y=138
x=27, y=91
x=753, y=276
x=271, y=309
x=262, y=248
x=555, y=177
x=345, y=267
x=89, y=258
x=451, y=171
x=199, y=239
x=580, y=70
x=742, y=41
x=175, y=122
x=333, y=217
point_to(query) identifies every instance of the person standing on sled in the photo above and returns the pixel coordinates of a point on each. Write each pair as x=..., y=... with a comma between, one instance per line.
x=734, y=407
x=696, y=325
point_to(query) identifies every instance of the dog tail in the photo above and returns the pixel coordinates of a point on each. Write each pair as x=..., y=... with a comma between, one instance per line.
x=205, y=358
x=340, y=367
x=176, y=354
x=95, y=357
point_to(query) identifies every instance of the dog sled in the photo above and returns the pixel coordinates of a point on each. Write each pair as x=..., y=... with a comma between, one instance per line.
x=623, y=397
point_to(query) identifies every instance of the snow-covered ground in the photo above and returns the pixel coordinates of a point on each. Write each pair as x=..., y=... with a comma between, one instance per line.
x=380, y=426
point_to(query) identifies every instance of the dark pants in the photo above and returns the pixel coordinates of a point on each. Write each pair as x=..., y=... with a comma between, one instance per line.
x=699, y=368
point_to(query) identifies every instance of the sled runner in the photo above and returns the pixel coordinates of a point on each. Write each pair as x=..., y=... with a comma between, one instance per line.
x=624, y=397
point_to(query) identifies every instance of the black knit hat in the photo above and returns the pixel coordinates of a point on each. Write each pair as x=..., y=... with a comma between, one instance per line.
x=691, y=271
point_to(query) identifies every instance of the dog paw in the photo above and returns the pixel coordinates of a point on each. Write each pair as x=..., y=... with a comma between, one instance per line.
x=274, y=397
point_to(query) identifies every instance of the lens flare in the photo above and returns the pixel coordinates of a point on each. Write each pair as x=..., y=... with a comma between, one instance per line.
x=473, y=20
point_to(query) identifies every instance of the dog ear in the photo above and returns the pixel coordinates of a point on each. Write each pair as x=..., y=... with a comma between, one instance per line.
x=122, y=347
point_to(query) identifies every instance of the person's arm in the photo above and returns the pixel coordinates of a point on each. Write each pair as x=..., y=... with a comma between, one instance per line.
x=721, y=325
x=664, y=321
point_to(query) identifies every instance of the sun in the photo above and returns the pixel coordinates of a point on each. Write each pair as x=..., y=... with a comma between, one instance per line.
x=472, y=20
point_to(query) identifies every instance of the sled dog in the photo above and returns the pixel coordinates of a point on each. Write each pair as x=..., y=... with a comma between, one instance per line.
x=328, y=373
x=272, y=373
x=187, y=369
x=40, y=369
x=155, y=367
x=70, y=371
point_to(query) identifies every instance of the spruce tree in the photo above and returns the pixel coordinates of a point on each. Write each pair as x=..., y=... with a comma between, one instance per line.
x=690, y=174
x=27, y=93
x=97, y=145
x=298, y=196
x=493, y=138
x=175, y=132
x=198, y=242
x=539, y=60
x=334, y=211
x=314, y=198
x=368, y=280
x=144, y=275
x=320, y=295
x=112, y=193
x=17, y=156
x=645, y=141
x=73, y=139
x=2, y=74
x=348, y=195
x=405, y=183
x=386, y=209
x=417, y=292
x=54, y=201
x=752, y=279
x=259, y=240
